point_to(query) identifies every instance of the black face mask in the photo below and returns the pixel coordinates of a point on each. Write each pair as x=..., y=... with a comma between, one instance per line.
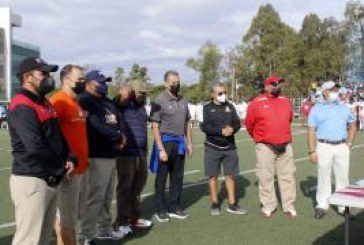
x=140, y=101
x=46, y=85
x=276, y=91
x=174, y=89
x=79, y=87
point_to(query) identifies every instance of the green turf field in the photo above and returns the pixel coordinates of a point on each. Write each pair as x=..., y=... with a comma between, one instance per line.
x=202, y=228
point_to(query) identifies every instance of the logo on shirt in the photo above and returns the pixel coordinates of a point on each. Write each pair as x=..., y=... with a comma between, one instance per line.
x=227, y=109
x=80, y=115
x=212, y=110
x=110, y=117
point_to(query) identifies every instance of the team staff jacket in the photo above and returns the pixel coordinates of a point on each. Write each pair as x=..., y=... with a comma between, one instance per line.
x=38, y=146
x=268, y=119
x=215, y=118
x=135, y=122
x=104, y=125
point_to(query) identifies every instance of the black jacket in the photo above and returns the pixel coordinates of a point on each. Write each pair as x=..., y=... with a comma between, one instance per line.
x=215, y=118
x=38, y=146
x=104, y=125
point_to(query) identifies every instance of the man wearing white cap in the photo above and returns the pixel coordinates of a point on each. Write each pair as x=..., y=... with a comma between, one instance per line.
x=329, y=144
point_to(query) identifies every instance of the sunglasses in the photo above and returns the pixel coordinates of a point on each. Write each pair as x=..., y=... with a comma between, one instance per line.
x=275, y=84
x=221, y=93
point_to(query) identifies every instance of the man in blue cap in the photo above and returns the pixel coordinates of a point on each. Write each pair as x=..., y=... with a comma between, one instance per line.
x=105, y=138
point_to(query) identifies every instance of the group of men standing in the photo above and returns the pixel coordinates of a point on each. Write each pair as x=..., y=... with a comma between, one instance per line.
x=69, y=149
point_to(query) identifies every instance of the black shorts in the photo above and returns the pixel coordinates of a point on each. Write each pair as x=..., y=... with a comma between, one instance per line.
x=215, y=158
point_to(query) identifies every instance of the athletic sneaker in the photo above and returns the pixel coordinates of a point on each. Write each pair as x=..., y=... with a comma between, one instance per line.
x=320, y=213
x=141, y=223
x=235, y=209
x=89, y=242
x=162, y=217
x=125, y=229
x=112, y=235
x=178, y=214
x=215, y=209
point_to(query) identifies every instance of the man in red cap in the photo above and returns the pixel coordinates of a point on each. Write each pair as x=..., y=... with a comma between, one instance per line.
x=268, y=122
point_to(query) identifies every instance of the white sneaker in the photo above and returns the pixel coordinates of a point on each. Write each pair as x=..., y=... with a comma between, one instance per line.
x=142, y=223
x=118, y=234
x=125, y=229
x=89, y=242
x=112, y=235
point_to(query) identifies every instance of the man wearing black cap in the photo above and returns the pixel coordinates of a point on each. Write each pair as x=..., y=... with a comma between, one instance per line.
x=105, y=139
x=40, y=154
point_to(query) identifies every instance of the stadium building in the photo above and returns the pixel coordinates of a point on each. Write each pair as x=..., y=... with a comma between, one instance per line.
x=12, y=52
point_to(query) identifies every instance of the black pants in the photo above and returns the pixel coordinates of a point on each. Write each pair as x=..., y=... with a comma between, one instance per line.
x=132, y=176
x=175, y=168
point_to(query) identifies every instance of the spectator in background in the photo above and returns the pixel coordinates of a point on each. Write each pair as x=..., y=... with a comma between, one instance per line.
x=305, y=109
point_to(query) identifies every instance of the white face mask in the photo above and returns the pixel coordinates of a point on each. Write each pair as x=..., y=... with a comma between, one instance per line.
x=334, y=96
x=221, y=98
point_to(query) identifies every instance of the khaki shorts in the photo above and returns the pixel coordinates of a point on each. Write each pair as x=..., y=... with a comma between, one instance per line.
x=68, y=201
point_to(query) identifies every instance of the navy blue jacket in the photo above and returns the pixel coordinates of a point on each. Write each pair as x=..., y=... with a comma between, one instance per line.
x=135, y=122
x=104, y=125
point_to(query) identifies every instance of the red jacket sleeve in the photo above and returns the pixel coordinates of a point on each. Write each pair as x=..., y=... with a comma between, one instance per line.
x=250, y=118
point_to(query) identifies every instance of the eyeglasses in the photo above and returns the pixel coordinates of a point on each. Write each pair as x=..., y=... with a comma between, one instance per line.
x=221, y=93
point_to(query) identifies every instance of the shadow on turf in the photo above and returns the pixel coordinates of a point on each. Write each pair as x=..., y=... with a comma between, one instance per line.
x=309, y=187
x=6, y=240
x=336, y=235
x=191, y=195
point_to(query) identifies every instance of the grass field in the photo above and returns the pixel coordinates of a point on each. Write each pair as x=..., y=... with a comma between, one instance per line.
x=202, y=228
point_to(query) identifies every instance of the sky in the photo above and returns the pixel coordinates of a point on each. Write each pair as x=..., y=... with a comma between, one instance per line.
x=158, y=34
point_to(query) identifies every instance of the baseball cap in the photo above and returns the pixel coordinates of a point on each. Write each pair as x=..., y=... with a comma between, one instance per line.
x=96, y=75
x=329, y=85
x=273, y=79
x=138, y=85
x=35, y=63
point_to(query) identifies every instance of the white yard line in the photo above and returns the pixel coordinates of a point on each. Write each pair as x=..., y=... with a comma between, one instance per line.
x=195, y=146
x=192, y=172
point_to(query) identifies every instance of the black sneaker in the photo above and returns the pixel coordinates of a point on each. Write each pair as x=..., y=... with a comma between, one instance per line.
x=215, y=209
x=235, y=209
x=89, y=242
x=162, y=217
x=320, y=213
x=178, y=214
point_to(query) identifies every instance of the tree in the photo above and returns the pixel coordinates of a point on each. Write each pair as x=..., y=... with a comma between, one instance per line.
x=208, y=65
x=263, y=41
x=119, y=76
x=139, y=72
